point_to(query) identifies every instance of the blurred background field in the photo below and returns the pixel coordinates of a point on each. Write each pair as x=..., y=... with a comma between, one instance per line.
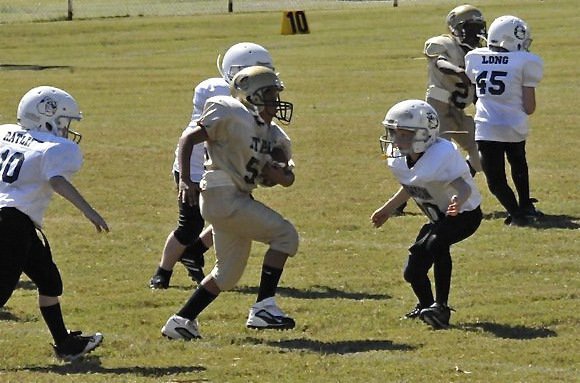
x=515, y=289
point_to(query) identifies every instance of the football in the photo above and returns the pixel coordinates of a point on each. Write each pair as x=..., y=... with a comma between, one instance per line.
x=278, y=155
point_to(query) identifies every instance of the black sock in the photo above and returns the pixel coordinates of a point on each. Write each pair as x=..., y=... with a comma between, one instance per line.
x=164, y=273
x=53, y=317
x=268, y=282
x=200, y=299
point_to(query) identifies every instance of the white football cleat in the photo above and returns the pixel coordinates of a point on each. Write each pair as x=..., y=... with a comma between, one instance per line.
x=267, y=315
x=181, y=328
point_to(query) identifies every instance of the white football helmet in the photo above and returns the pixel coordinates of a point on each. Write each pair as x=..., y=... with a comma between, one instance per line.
x=510, y=33
x=467, y=24
x=49, y=109
x=414, y=116
x=250, y=84
x=243, y=55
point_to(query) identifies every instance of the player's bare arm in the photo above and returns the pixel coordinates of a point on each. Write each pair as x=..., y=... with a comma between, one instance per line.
x=382, y=214
x=457, y=200
x=60, y=185
x=529, y=99
x=188, y=191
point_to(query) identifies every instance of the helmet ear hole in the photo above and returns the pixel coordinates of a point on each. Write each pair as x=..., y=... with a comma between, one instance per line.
x=48, y=127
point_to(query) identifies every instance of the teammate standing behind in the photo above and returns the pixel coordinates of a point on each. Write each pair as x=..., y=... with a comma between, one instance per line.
x=449, y=91
x=432, y=172
x=240, y=138
x=39, y=155
x=187, y=243
x=506, y=76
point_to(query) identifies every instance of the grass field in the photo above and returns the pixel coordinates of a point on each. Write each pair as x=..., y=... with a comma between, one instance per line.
x=516, y=290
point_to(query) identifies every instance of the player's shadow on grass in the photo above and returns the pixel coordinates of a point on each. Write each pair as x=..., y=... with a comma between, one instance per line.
x=25, y=284
x=340, y=347
x=547, y=221
x=8, y=316
x=92, y=365
x=315, y=292
x=509, y=332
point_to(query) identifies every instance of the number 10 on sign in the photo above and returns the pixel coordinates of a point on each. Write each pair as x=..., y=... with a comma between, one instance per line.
x=294, y=22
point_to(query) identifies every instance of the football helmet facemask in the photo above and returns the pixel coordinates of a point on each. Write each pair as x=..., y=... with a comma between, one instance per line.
x=510, y=33
x=414, y=116
x=49, y=109
x=251, y=85
x=243, y=55
x=467, y=24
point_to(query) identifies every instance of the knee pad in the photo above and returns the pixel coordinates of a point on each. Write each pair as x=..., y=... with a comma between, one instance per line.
x=287, y=239
x=51, y=284
x=187, y=233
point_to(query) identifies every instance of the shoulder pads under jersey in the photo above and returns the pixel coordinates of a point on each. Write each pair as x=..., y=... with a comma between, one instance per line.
x=437, y=45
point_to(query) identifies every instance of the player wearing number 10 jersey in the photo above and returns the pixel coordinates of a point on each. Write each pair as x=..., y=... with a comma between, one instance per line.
x=433, y=173
x=38, y=156
x=506, y=75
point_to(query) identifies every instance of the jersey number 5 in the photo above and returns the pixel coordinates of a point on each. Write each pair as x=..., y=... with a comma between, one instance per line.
x=10, y=165
x=494, y=84
x=251, y=167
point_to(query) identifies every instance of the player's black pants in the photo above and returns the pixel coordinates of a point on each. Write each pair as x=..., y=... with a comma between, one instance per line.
x=432, y=248
x=21, y=250
x=493, y=156
x=189, y=225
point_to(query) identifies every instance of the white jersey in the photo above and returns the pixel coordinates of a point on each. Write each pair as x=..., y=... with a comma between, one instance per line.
x=216, y=86
x=238, y=145
x=443, y=87
x=499, y=78
x=428, y=181
x=28, y=160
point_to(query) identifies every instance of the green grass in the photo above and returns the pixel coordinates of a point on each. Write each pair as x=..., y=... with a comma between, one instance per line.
x=515, y=289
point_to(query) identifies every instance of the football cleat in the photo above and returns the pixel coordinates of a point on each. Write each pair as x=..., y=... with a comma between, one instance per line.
x=181, y=328
x=194, y=265
x=75, y=345
x=437, y=316
x=530, y=212
x=413, y=314
x=267, y=315
x=159, y=282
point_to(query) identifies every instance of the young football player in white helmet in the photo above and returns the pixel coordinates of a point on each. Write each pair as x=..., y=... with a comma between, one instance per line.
x=449, y=91
x=187, y=243
x=239, y=136
x=432, y=172
x=506, y=76
x=39, y=156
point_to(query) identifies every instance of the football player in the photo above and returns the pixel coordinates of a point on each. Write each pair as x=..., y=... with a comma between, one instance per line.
x=432, y=172
x=506, y=76
x=449, y=91
x=38, y=156
x=239, y=136
x=185, y=243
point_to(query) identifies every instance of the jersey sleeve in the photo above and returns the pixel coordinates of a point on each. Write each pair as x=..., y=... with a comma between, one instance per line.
x=200, y=96
x=63, y=159
x=470, y=59
x=435, y=47
x=213, y=119
x=533, y=72
x=281, y=140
